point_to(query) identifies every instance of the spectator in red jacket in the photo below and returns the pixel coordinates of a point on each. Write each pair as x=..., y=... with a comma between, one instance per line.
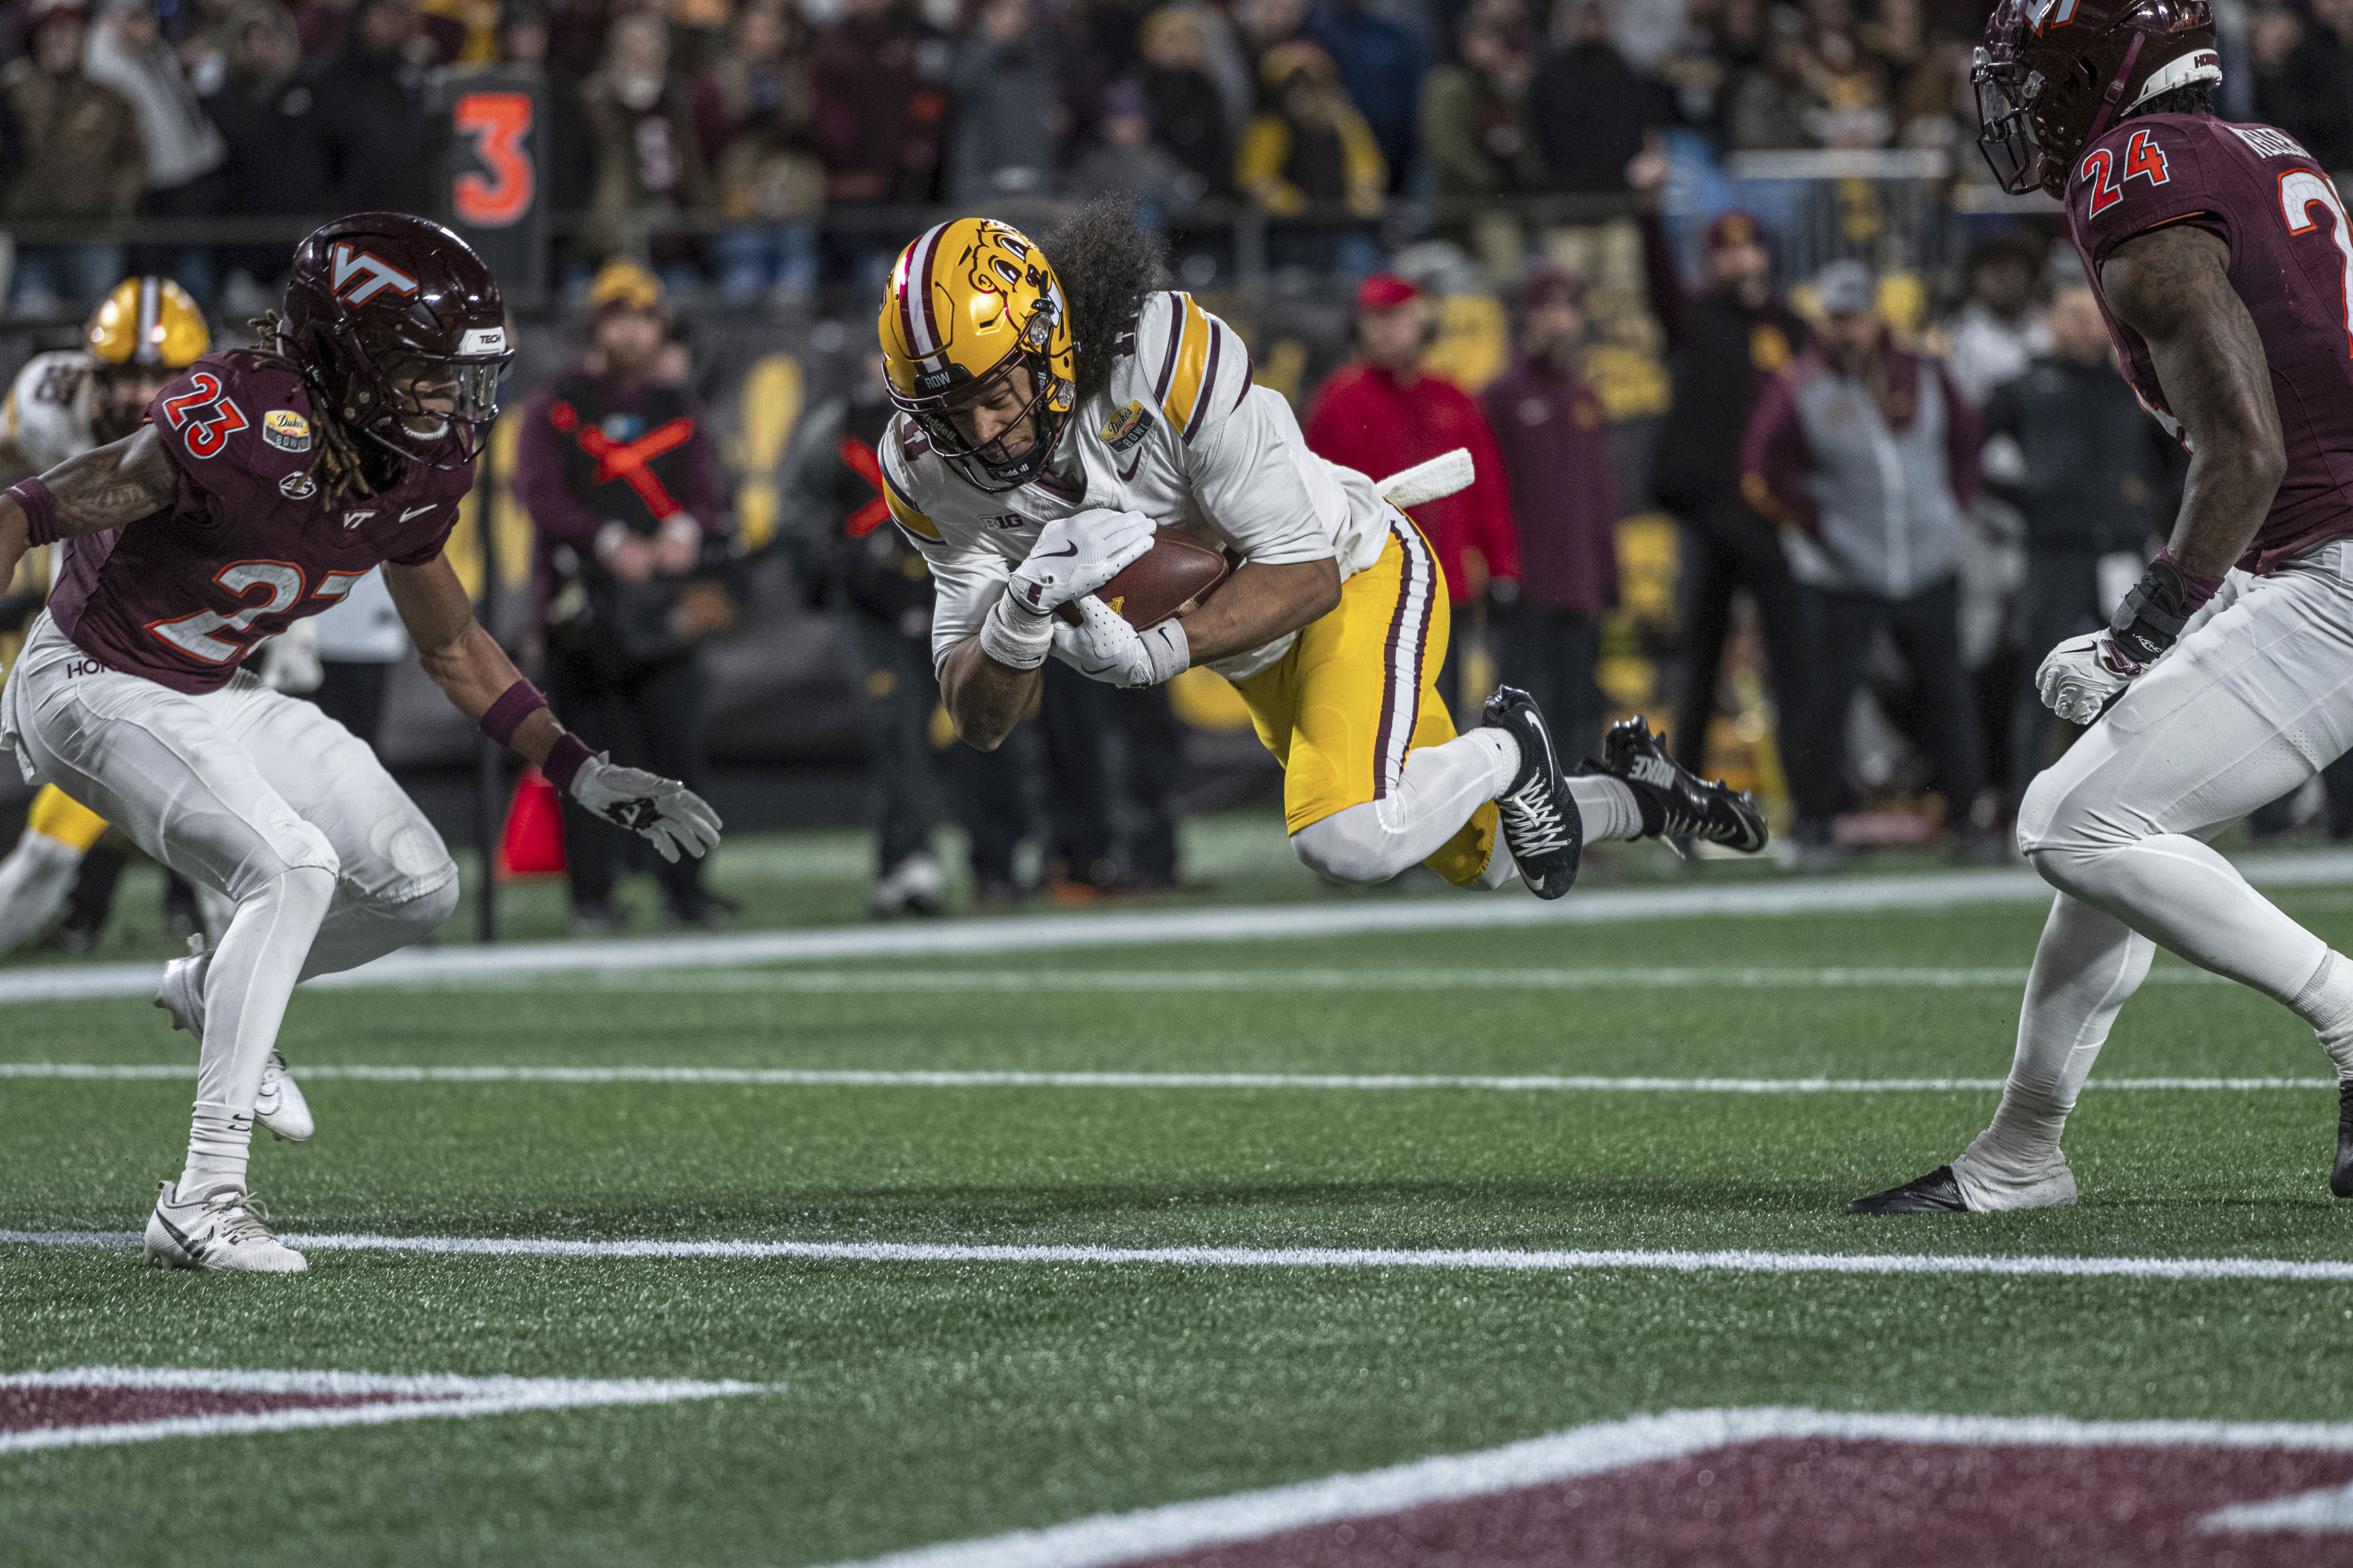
x=1379, y=413
x=1555, y=442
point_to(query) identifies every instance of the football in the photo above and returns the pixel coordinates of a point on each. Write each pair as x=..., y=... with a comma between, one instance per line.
x=1176, y=570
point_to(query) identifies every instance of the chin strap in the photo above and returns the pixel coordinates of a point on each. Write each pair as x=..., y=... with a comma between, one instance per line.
x=2116, y=93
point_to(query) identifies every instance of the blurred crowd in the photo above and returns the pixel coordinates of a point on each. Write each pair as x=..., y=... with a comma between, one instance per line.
x=732, y=142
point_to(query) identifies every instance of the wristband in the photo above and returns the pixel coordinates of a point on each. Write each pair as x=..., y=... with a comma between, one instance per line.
x=564, y=759
x=40, y=509
x=515, y=704
x=2201, y=588
x=2152, y=615
x=1016, y=637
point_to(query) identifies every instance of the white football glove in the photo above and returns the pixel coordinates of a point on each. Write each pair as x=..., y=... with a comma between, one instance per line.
x=662, y=810
x=1103, y=647
x=2082, y=675
x=1075, y=555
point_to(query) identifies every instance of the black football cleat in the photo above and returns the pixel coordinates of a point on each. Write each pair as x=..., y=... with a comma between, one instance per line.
x=1677, y=804
x=2340, y=1178
x=1542, y=827
x=1936, y=1192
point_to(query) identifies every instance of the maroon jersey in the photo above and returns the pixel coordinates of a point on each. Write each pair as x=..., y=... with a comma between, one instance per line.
x=2291, y=262
x=247, y=546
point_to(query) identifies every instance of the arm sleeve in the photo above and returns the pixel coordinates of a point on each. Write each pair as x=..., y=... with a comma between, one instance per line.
x=1964, y=439
x=1239, y=446
x=539, y=478
x=1773, y=459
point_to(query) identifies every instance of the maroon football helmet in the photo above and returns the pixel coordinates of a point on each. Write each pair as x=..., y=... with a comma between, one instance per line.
x=382, y=305
x=2054, y=75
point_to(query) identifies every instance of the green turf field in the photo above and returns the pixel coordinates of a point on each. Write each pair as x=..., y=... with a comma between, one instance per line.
x=913, y=1402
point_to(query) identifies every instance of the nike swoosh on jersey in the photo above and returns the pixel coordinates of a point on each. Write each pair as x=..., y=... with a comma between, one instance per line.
x=1128, y=473
x=418, y=510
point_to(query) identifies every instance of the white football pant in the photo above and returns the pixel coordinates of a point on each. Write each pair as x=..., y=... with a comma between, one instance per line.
x=2255, y=699
x=256, y=796
x=35, y=880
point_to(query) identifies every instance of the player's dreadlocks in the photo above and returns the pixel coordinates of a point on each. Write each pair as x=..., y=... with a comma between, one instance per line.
x=1107, y=265
x=342, y=466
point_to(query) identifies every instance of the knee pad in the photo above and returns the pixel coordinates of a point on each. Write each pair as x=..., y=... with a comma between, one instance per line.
x=1345, y=846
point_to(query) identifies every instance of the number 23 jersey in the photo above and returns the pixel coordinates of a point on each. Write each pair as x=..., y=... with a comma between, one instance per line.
x=2291, y=264
x=248, y=544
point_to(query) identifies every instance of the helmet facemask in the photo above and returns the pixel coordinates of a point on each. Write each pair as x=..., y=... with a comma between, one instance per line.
x=2005, y=127
x=990, y=466
x=427, y=408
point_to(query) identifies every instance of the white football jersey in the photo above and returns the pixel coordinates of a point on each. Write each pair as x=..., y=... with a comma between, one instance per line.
x=1181, y=435
x=51, y=411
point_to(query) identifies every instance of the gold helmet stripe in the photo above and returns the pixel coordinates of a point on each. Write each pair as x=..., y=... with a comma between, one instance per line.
x=150, y=348
x=918, y=318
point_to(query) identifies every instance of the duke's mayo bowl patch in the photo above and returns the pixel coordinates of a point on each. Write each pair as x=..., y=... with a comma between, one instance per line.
x=286, y=430
x=1127, y=427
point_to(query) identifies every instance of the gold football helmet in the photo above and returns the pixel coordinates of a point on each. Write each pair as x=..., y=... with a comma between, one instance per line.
x=970, y=302
x=147, y=321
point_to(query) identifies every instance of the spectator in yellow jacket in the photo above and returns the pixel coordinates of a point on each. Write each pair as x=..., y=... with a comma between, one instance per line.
x=1309, y=155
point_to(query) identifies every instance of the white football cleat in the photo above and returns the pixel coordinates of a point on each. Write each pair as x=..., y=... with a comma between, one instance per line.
x=228, y=1230
x=182, y=992
x=281, y=1106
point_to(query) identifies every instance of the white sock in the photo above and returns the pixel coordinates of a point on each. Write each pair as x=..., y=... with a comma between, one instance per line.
x=2327, y=1003
x=1501, y=867
x=2086, y=966
x=1607, y=806
x=246, y=986
x=220, y=1142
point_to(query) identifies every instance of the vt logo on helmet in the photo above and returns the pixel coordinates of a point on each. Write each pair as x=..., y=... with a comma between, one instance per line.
x=2054, y=75
x=400, y=335
x=976, y=346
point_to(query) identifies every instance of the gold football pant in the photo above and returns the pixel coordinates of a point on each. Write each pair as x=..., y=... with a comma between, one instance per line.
x=1357, y=694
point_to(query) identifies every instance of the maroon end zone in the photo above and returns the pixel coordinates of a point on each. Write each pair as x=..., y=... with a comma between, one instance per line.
x=79, y=1406
x=1814, y=1503
x=42, y=1409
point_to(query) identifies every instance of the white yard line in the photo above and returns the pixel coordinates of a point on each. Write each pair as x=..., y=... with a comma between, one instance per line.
x=862, y=1077
x=1496, y=1259
x=982, y=981
x=1607, y=1445
x=413, y=1399
x=1336, y=917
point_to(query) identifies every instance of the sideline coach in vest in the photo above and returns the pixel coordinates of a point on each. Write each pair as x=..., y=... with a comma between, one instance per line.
x=1867, y=459
x=621, y=481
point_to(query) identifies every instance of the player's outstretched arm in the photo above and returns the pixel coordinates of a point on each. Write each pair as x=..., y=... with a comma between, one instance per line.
x=104, y=488
x=2172, y=285
x=1259, y=603
x=467, y=663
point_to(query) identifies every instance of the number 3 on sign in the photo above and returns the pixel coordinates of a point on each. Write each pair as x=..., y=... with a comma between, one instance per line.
x=2301, y=190
x=497, y=123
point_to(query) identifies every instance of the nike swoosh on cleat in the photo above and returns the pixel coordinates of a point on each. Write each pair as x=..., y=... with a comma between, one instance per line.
x=196, y=1252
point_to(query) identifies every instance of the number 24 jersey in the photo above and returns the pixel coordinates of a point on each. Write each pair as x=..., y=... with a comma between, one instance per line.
x=2291, y=264
x=248, y=544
